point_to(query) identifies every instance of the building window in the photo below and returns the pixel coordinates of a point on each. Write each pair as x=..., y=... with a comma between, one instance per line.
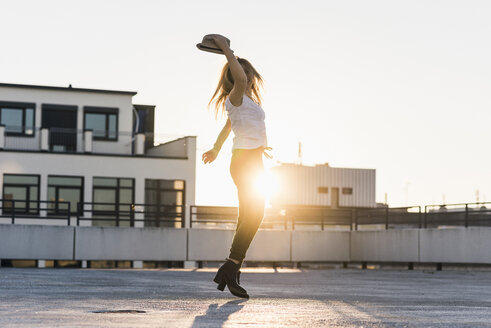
x=347, y=191
x=24, y=190
x=18, y=118
x=322, y=190
x=163, y=199
x=102, y=121
x=61, y=121
x=115, y=198
x=65, y=189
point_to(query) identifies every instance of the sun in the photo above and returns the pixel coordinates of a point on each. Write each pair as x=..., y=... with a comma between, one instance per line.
x=267, y=184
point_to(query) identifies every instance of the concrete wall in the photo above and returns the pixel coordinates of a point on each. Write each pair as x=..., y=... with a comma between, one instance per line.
x=157, y=244
x=320, y=246
x=36, y=242
x=208, y=244
x=385, y=245
x=270, y=246
x=462, y=245
x=459, y=245
x=174, y=148
x=214, y=245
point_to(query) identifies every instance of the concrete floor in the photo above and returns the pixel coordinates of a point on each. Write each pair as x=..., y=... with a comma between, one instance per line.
x=281, y=298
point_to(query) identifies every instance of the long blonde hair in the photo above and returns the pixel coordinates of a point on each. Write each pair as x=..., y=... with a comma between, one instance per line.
x=226, y=84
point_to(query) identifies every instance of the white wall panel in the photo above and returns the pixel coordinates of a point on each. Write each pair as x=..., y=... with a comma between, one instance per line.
x=299, y=185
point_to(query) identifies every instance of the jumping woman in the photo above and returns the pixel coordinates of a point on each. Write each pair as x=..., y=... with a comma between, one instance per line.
x=237, y=93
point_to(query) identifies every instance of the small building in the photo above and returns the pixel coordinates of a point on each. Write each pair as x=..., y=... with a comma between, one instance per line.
x=92, y=150
x=323, y=185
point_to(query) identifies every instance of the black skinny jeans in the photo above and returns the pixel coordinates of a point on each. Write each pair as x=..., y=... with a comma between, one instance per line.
x=245, y=168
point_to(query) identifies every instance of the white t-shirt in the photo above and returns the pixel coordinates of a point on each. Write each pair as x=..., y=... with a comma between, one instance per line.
x=247, y=124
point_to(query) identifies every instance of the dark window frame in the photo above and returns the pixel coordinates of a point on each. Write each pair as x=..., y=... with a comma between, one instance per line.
x=183, y=189
x=61, y=107
x=57, y=187
x=157, y=213
x=28, y=194
x=347, y=191
x=107, y=111
x=118, y=187
x=20, y=106
x=322, y=190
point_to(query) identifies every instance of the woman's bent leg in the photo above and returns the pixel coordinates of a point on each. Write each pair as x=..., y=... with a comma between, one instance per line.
x=251, y=212
x=245, y=168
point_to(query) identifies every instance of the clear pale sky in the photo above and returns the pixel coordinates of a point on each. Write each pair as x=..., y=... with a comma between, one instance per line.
x=399, y=86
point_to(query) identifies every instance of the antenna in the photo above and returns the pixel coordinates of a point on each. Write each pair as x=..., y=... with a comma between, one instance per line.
x=300, y=153
x=477, y=195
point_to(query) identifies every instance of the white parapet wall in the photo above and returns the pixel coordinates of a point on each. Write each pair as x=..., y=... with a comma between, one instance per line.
x=458, y=245
x=36, y=242
x=214, y=245
x=270, y=246
x=385, y=246
x=118, y=243
x=320, y=246
x=44, y=242
x=209, y=244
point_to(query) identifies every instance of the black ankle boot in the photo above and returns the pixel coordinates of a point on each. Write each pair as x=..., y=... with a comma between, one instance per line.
x=227, y=275
x=238, y=272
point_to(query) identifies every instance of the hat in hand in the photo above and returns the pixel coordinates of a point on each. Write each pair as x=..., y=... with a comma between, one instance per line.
x=209, y=45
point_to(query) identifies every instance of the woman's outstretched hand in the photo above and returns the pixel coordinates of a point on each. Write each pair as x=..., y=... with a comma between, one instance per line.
x=210, y=156
x=221, y=42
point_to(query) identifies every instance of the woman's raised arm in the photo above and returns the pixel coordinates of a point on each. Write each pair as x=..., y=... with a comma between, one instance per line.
x=240, y=77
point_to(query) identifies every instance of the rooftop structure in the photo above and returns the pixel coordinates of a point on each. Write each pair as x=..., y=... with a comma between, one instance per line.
x=323, y=185
x=91, y=146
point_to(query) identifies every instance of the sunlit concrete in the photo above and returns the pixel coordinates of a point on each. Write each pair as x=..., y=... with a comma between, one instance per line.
x=280, y=298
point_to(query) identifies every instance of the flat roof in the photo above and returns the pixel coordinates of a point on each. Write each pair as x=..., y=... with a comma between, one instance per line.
x=69, y=88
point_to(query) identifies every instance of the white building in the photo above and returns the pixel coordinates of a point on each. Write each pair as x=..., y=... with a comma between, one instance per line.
x=322, y=185
x=88, y=146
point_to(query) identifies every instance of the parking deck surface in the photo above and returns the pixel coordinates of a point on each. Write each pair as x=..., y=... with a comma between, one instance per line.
x=279, y=298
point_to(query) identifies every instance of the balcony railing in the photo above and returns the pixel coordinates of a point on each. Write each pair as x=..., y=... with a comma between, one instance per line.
x=19, y=211
x=64, y=140
x=91, y=213
x=131, y=215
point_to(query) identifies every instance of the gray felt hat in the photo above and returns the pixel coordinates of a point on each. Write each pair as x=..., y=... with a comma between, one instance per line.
x=209, y=45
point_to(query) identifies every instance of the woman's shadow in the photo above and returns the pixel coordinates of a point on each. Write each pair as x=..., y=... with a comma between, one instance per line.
x=216, y=316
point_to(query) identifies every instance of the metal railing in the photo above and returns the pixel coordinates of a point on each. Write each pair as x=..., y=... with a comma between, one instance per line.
x=318, y=216
x=431, y=216
x=16, y=210
x=225, y=215
x=128, y=215
x=294, y=217
x=98, y=214
x=389, y=217
x=460, y=214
